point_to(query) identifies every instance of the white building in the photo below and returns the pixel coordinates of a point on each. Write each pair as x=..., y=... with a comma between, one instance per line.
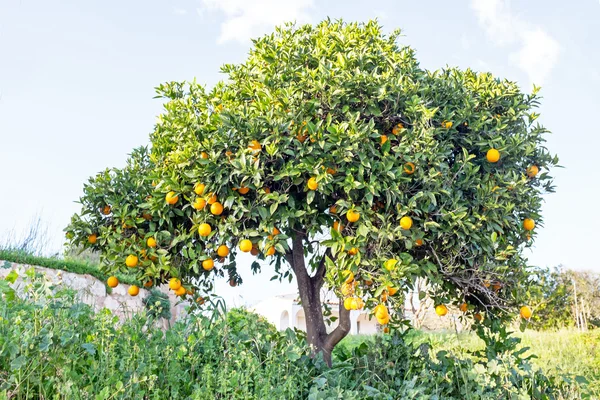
x=285, y=311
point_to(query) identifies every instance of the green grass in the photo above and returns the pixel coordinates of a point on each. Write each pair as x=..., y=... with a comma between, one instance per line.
x=76, y=267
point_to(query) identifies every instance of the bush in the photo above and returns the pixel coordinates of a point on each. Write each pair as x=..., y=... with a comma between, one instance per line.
x=53, y=347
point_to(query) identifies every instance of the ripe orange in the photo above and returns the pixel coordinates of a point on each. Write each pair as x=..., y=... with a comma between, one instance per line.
x=92, y=238
x=199, y=188
x=383, y=139
x=174, y=284
x=276, y=231
x=267, y=189
x=347, y=289
x=180, y=291
x=348, y=303
x=333, y=209
x=106, y=210
x=131, y=261
x=199, y=203
x=254, y=251
x=337, y=226
x=493, y=155
x=441, y=310
x=312, y=183
x=223, y=251
x=204, y=155
x=384, y=320
x=497, y=286
x=446, y=124
x=390, y=264
x=419, y=242
x=380, y=311
x=151, y=242
x=255, y=145
x=204, y=229
x=532, y=171
x=171, y=198
x=246, y=245
x=406, y=223
x=348, y=275
x=525, y=312
x=243, y=190
x=409, y=168
x=352, y=216
x=148, y=284
x=353, y=251
x=112, y=281
x=392, y=290
x=212, y=198
x=208, y=264
x=478, y=317
x=528, y=224
x=216, y=208
x=133, y=290
x=386, y=330
x=270, y=251
x=384, y=296
x=464, y=307
x=330, y=171
x=232, y=282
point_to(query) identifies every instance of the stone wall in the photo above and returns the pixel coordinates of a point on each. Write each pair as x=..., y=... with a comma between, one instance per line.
x=92, y=291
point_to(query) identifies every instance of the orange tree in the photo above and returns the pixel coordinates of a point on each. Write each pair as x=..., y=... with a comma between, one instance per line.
x=330, y=154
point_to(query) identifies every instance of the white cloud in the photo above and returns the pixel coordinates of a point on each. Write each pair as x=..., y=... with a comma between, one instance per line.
x=245, y=19
x=537, y=51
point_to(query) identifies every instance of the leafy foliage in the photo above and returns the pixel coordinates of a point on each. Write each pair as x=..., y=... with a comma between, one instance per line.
x=334, y=115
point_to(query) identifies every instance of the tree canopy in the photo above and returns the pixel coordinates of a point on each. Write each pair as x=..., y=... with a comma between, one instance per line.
x=331, y=154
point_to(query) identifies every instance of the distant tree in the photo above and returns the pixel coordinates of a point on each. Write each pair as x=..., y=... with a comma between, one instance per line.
x=330, y=154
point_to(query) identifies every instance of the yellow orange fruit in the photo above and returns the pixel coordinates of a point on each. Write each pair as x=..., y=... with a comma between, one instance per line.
x=246, y=245
x=112, y=281
x=333, y=209
x=478, y=317
x=199, y=203
x=171, y=198
x=406, y=223
x=208, y=264
x=348, y=303
x=180, y=291
x=204, y=155
x=392, y=290
x=199, y=188
x=446, y=124
x=348, y=276
x=312, y=183
x=464, y=307
x=204, y=229
x=255, y=145
x=352, y=216
x=223, y=251
x=383, y=139
x=106, y=210
x=532, y=171
x=216, y=208
x=337, y=226
x=380, y=311
x=92, y=238
x=151, y=242
x=409, y=168
x=492, y=155
x=353, y=251
x=390, y=264
x=174, y=284
x=347, y=289
x=528, y=224
x=243, y=190
x=270, y=251
x=386, y=330
x=212, y=198
x=441, y=310
x=383, y=320
x=148, y=284
x=133, y=290
x=525, y=312
x=419, y=242
x=330, y=171
x=131, y=261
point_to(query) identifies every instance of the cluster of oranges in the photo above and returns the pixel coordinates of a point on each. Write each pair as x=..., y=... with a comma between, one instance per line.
x=441, y=310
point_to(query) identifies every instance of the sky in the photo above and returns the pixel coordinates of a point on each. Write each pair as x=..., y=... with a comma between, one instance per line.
x=77, y=84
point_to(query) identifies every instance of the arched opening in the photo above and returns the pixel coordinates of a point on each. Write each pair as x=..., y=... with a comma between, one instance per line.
x=301, y=320
x=364, y=326
x=284, y=321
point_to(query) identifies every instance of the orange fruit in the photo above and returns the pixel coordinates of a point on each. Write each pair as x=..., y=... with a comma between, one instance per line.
x=199, y=188
x=357, y=303
x=270, y=251
x=312, y=183
x=486, y=284
x=212, y=198
x=180, y=291
x=386, y=330
x=337, y=226
x=528, y=224
x=384, y=296
x=216, y=208
x=331, y=171
x=349, y=275
x=133, y=290
x=380, y=311
x=174, y=284
x=406, y=223
x=353, y=251
x=267, y=189
x=147, y=216
x=301, y=137
x=112, y=281
x=204, y=229
x=446, y=124
x=383, y=139
x=276, y=231
x=464, y=307
x=92, y=238
x=478, y=317
x=106, y=210
x=525, y=312
x=151, y=242
x=246, y=245
x=409, y=168
x=392, y=290
x=171, y=198
x=204, y=155
x=348, y=303
x=255, y=145
x=232, y=282
x=131, y=261
x=390, y=264
x=199, y=203
x=384, y=320
x=347, y=289
x=200, y=300
x=441, y=310
x=333, y=209
x=497, y=286
x=243, y=190
x=419, y=242
x=493, y=155
x=532, y=171
x=148, y=283
x=223, y=251
x=352, y=216
x=254, y=251
x=208, y=264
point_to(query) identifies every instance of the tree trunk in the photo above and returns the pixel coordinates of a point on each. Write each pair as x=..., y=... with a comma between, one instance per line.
x=309, y=288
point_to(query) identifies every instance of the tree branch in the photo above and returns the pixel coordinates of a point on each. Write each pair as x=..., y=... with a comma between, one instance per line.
x=340, y=332
x=321, y=269
x=298, y=264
